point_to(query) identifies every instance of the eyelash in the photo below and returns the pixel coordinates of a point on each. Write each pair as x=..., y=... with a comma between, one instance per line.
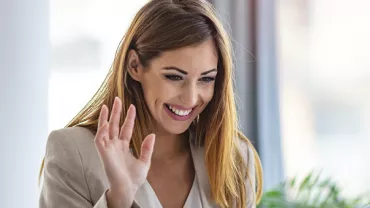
x=178, y=78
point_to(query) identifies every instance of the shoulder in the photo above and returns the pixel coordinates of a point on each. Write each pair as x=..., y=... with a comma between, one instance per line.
x=246, y=150
x=77, y=134
x=247, y=153
x=72, y=143
x=69, y=140
x=66, y=146
x=72, y=155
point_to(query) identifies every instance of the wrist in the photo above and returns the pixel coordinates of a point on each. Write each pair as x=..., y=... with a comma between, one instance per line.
x=116, y=199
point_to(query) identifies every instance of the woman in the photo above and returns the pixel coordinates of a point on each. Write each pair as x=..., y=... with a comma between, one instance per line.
x=170, y=83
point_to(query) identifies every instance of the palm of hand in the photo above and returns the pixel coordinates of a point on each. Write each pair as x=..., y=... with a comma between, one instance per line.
x=125, y=173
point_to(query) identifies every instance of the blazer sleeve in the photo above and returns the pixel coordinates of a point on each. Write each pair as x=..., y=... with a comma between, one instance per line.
x=64, y=183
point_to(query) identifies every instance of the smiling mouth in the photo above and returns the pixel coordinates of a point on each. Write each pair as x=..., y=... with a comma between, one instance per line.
x=177, y=112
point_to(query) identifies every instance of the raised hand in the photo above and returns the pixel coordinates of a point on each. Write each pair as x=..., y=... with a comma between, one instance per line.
x=125, y=173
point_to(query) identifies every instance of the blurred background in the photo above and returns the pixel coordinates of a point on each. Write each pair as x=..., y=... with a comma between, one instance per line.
x=302, y=81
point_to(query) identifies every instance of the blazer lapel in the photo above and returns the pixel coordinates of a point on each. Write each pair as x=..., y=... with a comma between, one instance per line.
x=201, y=172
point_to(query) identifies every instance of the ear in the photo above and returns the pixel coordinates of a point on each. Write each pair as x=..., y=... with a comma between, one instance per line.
x=134, y=67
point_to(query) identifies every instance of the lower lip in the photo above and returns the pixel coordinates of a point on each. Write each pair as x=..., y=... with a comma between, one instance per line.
x=176, y=117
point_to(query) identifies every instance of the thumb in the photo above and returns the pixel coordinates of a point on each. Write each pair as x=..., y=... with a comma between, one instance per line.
x=147, y=148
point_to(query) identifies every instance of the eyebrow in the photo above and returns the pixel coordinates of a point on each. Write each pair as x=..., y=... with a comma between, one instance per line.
x=184, y=72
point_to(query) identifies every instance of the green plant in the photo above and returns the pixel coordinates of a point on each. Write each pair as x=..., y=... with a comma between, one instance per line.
x=311, y=192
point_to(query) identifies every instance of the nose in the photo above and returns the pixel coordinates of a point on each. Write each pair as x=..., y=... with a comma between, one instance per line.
x=190, y=95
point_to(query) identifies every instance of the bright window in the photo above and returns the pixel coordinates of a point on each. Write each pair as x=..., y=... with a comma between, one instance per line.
x=324, y=65
x=84, y=38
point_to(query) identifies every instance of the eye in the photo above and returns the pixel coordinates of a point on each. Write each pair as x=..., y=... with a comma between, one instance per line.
x=207, y=79
x=173, y=77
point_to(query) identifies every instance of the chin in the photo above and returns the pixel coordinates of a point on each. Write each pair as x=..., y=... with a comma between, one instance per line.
x=176, y=129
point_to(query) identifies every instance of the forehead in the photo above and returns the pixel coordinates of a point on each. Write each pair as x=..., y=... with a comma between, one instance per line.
x=201, y=57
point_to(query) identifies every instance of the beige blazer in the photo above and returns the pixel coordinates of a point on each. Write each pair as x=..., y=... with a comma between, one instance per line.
x=74, y=176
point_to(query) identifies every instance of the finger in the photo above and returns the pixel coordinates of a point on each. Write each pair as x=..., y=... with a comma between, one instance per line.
x=102, y=135
x=128, y=125
x=115, y=118
x=147, y=148
x=103, y=116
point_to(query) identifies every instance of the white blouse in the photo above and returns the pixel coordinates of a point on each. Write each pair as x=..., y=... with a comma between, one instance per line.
x=146, y=196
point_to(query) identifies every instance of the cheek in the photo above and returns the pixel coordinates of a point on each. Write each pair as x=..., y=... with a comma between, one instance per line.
x=207, y=93
x=149, y=91
x=157, y=90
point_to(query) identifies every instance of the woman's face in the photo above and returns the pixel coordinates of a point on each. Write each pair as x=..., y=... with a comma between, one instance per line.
x=179, y=84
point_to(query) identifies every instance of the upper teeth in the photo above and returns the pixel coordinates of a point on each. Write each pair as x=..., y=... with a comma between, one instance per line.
x=180, y=112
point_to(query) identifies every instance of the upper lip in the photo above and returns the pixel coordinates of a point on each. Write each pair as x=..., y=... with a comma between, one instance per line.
x=179, y=107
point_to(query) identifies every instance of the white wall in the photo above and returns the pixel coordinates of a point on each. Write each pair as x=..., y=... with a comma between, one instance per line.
x=24, y=63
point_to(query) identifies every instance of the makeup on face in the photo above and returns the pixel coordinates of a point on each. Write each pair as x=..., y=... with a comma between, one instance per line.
x=179, y=85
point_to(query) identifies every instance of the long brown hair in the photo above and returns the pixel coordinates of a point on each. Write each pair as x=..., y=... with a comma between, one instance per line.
x=169, y=24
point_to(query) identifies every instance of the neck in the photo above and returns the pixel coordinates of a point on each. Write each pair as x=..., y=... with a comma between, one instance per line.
x=168, y=146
